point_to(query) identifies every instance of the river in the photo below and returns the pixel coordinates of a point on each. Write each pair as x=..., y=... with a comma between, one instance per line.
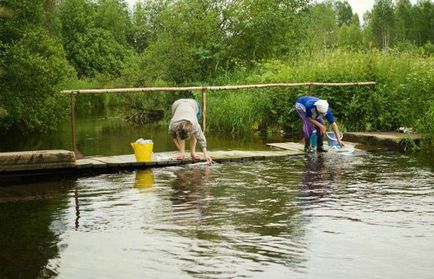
x=368, y=214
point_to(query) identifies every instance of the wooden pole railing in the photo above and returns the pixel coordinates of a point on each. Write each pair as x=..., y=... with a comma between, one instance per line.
x=212, y=88
x=203, y=89
x=203, y=110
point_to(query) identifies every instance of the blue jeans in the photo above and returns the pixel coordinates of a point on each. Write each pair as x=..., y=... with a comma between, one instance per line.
x=199, y=110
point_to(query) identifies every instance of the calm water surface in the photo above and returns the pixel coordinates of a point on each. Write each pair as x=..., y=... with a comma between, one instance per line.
x=108, y=134
x=363, y=215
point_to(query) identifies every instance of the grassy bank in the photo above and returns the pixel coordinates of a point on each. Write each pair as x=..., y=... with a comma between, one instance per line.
x=403, y=96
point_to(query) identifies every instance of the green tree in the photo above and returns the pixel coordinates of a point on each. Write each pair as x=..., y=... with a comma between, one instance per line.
x=144, y=21
x=382, y=23
x=112, y=15
x=403, y=20
x=195, y=38
x=91, y=48
x=423, y=15
x=188, y=45
x=322, y=28
x=19, y=16
x=344, y=12
x=263, y=29
x=350, y=36
x=35, y=66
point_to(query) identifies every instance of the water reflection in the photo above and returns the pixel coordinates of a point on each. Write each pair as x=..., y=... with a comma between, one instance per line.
x=108, y=134
x=30, y=226
x=236, y=219
x=321, y=172
x=190, y=193
x=144, y=180
x=296, y=217
x=314, y=184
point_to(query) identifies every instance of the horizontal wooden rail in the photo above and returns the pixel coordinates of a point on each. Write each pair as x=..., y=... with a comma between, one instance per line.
x=211, y=88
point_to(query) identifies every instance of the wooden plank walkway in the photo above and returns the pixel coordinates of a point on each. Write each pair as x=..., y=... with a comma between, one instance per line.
x=30, y=162
x=292, y=146
x=162, y=159
x=387, y=139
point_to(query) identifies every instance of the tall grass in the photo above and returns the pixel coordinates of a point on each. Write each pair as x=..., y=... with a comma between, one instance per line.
x=403, y=95
x=405, y=87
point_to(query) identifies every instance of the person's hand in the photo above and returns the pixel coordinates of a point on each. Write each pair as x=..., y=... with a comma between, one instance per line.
x=323, y=130
x=209, y=159
x=341, y=144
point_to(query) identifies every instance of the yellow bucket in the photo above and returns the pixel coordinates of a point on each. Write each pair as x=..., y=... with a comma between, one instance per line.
x=143, y=151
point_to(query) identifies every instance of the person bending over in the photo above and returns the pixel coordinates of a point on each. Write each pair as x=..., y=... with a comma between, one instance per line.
x=185, y=125
x=312, y=112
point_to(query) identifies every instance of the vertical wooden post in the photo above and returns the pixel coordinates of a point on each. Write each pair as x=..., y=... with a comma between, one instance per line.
x=203, y=110
x=309, y=92
x=73, y=130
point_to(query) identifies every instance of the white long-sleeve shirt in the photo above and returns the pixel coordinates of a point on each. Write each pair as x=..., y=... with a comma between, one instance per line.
x=187, y=109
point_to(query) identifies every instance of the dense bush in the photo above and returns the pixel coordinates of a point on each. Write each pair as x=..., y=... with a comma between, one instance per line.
x=34, y=67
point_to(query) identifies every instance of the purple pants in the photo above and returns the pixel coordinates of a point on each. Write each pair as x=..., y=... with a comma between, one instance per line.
x=307, y=126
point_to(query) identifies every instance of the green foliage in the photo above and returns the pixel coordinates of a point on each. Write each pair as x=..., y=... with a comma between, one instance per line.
x=344, y=12
x=112, y=16
x=21, y=14
x=425, y=127
x=383, y=23
x=195, y=40
x=403, y=20
x=94, y=36
x=322, y=28
x=96, y=51
x=350, y=36
x=423, y=27
x=145, y=22
x=34, y=66
x=171, y=42
x=405, y=83
x=187, y=46
x=389, y=25
x=263, y=29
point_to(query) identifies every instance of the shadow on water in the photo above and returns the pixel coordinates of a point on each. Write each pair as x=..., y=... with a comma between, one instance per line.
x=30, y=226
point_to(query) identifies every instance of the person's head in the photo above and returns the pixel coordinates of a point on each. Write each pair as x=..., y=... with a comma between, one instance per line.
x=322, y=106
x=183, y=130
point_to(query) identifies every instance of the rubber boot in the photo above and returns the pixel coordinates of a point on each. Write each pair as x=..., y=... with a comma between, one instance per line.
x=307, y=145
x=320, y=146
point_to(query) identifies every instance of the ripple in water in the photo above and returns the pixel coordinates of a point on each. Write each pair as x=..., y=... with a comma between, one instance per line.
x=331, y=216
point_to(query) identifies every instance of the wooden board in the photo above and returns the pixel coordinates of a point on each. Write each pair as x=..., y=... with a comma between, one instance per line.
x=169, y=158
x=293, y=146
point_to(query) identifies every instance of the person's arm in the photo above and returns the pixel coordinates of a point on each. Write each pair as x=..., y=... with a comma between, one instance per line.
x=206, y=155
x=198, y=134
x=175, y=140
x=337, y=133
x=323, y=128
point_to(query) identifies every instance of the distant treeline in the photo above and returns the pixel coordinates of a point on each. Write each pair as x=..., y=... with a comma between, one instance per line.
x=48, y=45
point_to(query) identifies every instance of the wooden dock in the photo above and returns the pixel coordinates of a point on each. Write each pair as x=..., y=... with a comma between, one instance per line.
x=44, y=161
x=49, y=161
x=163, y=159
x=391, y=140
